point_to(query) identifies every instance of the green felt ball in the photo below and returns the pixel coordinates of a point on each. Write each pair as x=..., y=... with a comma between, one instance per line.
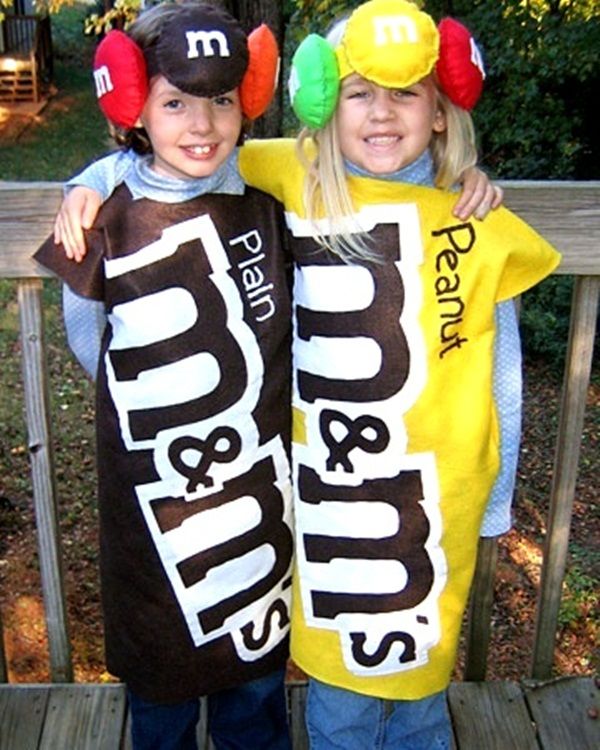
x=314, y=81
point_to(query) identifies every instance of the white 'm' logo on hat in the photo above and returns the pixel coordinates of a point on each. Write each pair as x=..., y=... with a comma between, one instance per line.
x=399, y=29
x=103, y=81
x=206, y=39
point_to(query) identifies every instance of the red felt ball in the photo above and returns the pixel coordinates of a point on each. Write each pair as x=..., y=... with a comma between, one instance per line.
x=260, y=79
x=121, y=79
x=459, y=67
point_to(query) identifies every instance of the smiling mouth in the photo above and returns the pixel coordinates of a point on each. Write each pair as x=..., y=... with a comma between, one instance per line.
x=383, y=140
x=200, y=150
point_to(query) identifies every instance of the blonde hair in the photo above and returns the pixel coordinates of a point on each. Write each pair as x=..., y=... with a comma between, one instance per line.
x=326, y=190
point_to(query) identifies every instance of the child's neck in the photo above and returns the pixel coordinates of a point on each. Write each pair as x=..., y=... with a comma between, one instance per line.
x=418, y=172
x=226, y=179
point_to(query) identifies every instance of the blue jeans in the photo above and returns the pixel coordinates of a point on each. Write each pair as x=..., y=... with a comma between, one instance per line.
x=249, y=717
x=338, y=719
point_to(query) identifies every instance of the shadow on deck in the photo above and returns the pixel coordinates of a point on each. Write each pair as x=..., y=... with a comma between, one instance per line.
x=562, y=714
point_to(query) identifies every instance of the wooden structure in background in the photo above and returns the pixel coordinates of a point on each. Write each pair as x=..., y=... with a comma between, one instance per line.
x=537, y=713
x=26, y=59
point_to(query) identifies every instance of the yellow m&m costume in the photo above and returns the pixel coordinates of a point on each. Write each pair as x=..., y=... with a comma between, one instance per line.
x=395, y=443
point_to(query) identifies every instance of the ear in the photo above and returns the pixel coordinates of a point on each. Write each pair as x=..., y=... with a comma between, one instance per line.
x=261, y=76
x=314, y=82
x=440, y=122
x=121, y=79
x=460, y=66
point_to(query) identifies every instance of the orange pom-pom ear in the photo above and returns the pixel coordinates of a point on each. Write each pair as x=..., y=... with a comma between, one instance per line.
x=459, y=67
x=260, y=79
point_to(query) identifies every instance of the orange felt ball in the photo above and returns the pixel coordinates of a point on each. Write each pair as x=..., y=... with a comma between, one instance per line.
x=120, y=78
x=460, y=66
x=260, y=79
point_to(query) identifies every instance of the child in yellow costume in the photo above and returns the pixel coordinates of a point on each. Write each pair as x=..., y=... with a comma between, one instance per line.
x=396, y=440
x=395, y=432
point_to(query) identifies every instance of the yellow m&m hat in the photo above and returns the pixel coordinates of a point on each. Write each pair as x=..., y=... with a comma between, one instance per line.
x=389, y=42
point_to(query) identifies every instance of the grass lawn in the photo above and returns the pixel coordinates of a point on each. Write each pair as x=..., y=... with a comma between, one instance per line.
x=70, y=130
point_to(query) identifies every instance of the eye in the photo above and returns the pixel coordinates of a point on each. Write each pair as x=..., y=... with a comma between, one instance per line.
x=173, y=104
x=223, y=101
x=404, y=93
x=356, y=93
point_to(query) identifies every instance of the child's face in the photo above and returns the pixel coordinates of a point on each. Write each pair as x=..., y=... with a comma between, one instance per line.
x=383, y=130
x=191, y=136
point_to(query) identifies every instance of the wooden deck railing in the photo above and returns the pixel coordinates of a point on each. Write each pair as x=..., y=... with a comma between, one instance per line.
x=566, y=213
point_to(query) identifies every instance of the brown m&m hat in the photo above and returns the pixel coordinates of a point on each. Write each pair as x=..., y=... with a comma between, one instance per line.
x=201, y=50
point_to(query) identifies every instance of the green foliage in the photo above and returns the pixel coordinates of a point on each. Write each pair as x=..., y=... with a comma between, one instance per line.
x=120, y=15
x=544, y=320
x=542, y=60
x=580, y=597
x=67, y=31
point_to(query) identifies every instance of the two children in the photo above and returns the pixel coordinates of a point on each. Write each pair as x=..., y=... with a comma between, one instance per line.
x=395, y=446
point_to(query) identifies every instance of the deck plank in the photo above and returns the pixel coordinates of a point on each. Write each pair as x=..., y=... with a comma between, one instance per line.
x=86, y=717
x=567, y=713
x=491, y=715
x=22, y=711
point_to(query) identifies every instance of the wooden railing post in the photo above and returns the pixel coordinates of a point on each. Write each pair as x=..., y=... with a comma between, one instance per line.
x=480, y=610
x=40, y=452
x=574, y=393
x=3, y=670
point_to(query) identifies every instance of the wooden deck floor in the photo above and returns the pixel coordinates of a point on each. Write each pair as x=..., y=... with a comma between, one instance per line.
x=560, y=715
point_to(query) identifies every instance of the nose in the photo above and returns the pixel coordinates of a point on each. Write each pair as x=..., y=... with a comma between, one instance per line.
x=201, y=117
x=381, y=106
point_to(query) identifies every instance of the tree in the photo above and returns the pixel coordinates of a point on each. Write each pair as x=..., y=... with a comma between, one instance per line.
x=542, y=61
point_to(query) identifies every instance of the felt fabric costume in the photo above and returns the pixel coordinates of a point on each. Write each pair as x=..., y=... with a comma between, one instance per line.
x=507, y=375
x=194, y=486
x=395, y=438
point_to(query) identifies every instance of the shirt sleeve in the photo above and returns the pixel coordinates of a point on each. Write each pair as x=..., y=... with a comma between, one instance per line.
x=105, y=174
x=508, y=396
x=85, y=321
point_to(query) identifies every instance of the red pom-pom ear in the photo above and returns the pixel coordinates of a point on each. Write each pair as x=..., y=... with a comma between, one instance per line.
x=121, y=79
x=460, y=66
x=260, y=79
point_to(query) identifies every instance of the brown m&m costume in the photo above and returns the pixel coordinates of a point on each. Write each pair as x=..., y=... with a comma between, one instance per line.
x=192, y=437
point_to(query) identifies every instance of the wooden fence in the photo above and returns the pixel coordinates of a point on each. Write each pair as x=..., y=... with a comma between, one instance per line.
x=566, y=213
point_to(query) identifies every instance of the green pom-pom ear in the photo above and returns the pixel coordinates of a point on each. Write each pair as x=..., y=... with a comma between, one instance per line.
x=314, y=81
